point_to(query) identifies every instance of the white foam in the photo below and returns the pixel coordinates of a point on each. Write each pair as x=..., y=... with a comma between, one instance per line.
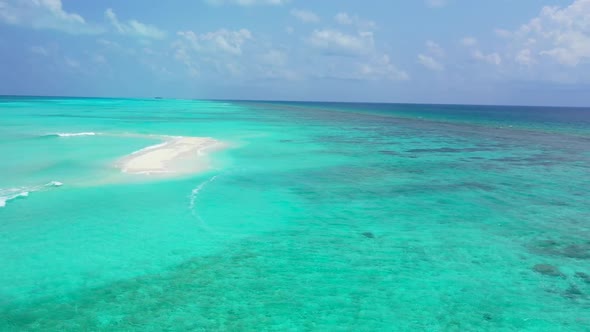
x=10, y=194
x=151, y=147
x=89, y=133
x=7, y=195
x=195, y=192
x=125, y=170
x=193, y=203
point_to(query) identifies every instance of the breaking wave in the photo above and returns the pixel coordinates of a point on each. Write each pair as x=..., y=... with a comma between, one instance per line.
x=89, y=133
x=10, y=194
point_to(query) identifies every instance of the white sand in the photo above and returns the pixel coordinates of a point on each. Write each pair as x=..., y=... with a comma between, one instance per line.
x=177, y=155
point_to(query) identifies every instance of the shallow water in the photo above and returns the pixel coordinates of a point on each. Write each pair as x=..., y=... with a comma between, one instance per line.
x=318, y=217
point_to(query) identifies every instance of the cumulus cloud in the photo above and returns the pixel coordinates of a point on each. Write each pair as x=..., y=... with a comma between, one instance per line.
x=503, y=33
x=374, y=67
x=343, y=18
x=469, y=41
x=305, y=16
x=558, y=33
x=274, y=65
x=275, y=58
x=99, y=58
x=133, y=27
x=44, y=14
x=429, y=62
x=50, y=14
x=216, y=51
x=357, y=56
x=114, y=47
x=380, y=67
x=182, y=54
x=248, y=2
x=39, y=50
x=337, y=42
x=346, y=19
x=492, y=58
x=225, y=41
x=434, y=48
x=525, y=57
x=72, y=63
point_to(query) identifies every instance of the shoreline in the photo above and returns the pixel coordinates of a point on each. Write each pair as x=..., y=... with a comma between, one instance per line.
x=174, y=156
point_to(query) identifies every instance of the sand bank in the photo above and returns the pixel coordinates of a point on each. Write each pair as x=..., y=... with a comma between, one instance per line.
x=178, y=155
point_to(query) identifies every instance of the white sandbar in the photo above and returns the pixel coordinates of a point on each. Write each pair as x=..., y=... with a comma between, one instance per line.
x=176, y=155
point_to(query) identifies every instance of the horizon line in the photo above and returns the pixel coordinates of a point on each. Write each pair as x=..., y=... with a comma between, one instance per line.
x=291, y=101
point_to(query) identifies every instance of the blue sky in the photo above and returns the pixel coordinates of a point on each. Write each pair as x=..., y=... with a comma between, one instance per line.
x=534, y=52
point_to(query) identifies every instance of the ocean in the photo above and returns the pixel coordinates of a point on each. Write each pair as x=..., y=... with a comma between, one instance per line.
x=315, y=217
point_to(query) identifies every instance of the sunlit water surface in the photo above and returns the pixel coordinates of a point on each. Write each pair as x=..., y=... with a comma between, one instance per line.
x=318, y=217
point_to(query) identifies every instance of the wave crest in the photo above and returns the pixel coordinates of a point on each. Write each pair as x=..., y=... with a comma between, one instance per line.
x=7, y=195
x=195, y=192
x=88, y=133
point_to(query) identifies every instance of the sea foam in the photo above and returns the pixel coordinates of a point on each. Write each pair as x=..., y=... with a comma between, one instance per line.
x=89, y=133
x=151, y=147
x=7, y=195
x=195, y=192
x=193, y=203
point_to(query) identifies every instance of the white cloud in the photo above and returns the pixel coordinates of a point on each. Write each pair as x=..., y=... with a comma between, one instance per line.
x=44, y=14
x=305, y=16
x=343, y=18
x=275, y=58
x=469, y=41
x=134, y=27
x=525, y=57
x=225, y=41
x=233, y=68
x=39, y=50
x=99, y=58
x=380, y=67
x=346, y=19
x=336, y=42
x=50, y=14
x=430, y=63
x=182, y=54
x=435, y=48
x=107, y=43
x=359, y=58
x=273, y=65
x=75, y=64
x=376, y=67
x=492, y=58
x=216, y=51
x=560, y=34
x=503, y=33
x=111, y=46
x=248, y=2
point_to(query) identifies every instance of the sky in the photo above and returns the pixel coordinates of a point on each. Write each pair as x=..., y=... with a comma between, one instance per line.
x=514, y=52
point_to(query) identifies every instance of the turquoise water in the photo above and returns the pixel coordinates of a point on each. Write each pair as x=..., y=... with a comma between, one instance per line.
x=318, y=217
